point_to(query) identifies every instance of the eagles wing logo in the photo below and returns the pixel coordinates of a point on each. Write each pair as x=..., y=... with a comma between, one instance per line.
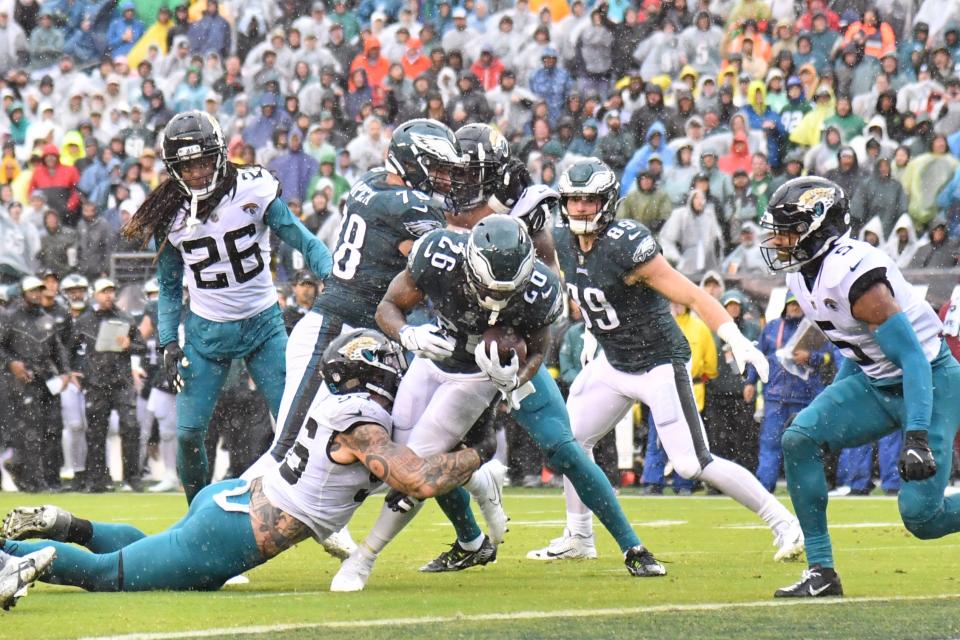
x=439, y=146
x=498, y=142
x=419, y=228
x=821, y=195
x=646, y=248
x=251, y=207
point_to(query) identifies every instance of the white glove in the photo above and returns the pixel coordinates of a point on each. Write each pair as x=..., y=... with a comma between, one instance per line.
x=744, y=352
x=425, y=340
x=505, y=378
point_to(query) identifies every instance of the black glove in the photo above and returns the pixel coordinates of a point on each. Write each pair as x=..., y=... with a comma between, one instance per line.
x=916, y=459
x=399, y=502
x=482, y=438
x=173, y=356
x=515, y=180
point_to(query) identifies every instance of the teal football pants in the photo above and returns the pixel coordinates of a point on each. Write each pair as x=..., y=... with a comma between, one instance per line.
x=200, y=552
x=261, y=341
x=852, y=412
x=544, y=415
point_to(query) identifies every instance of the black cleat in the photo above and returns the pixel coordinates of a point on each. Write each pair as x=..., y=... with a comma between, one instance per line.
x=816, y=582
x=458, y=558
x=641, y=563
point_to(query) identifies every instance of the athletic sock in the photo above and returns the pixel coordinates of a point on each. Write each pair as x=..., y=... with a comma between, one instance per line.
x=580, y=524
x=456, y=506
x=79, y=531
x=473, y=545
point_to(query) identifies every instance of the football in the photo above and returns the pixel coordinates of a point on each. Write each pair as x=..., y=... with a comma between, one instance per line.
x=507, y=340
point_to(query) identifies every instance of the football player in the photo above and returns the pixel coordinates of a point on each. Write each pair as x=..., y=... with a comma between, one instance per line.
x=215, y=217
x=342, y=455
x=495, y=182
x=897, y=373
x=623, y=286
x=387, y=209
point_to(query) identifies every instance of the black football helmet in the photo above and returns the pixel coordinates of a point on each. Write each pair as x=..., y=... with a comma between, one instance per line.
x=427, y=156
x=363, y=360
x=585, y=178
x=813, y=209
x=194, y=136
x=485, y=153
x=499, y=261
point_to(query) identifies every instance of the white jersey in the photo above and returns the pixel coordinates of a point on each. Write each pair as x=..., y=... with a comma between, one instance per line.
x=307, y=484
x=229, y=253
x=828, y=306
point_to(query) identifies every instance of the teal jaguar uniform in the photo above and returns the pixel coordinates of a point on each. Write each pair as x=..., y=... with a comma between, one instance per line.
x=436, y=265
x=378, y=218
x=632, y=324
x=233, y=303
x=120, y=557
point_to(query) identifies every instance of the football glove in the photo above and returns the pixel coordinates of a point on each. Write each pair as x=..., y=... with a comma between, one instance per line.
x=515, y=179
x=400, y=502
x=427, y=341
x=173, y=359
x=916, y=460
x=743, y=350
x=505, y=377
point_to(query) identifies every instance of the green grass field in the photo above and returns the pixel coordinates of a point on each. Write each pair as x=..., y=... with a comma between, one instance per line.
x=720, y=582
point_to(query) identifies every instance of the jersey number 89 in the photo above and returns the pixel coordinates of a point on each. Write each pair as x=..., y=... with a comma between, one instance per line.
x=595, y=304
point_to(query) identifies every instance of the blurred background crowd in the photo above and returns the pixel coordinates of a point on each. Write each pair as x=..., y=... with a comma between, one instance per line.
x=703, y=108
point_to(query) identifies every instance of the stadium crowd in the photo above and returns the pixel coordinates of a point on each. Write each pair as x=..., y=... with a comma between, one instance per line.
x=702, y=108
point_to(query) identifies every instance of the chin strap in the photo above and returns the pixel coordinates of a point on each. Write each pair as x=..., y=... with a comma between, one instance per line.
x=192, y=220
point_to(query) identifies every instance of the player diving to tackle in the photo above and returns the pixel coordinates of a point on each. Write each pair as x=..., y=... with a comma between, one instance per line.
x=494, y=183
x=342, y=454
x=616, y=275
x=215, y=218
x=897, y=372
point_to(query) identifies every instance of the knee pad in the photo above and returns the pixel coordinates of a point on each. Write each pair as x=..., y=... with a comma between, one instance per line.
x=922, y=530
x=688, y=467
x=565, y=456
x=920, y=513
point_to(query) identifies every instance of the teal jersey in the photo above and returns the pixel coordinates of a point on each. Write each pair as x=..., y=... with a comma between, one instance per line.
x=378, y=217
x=436, y=264
x=633, y=324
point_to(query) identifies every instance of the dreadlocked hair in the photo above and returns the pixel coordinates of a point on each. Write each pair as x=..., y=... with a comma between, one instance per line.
x=155, y=216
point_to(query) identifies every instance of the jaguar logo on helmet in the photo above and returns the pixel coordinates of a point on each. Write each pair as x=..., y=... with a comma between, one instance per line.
x=498, y=142
x=824, y=196
x=360, y=348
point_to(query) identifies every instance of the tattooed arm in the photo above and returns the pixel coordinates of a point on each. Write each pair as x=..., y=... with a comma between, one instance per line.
x=400, y=467
x=274, y=529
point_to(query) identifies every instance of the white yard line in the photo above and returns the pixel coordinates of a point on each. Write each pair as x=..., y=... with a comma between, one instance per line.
x=515, y=615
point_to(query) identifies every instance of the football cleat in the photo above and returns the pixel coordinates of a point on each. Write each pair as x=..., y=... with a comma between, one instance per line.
x=353, y=573
x=47, y=522
x=789, y=542
x=17, y=574
x=166, y=485
x=641, y=563
x=458, y=558
x=491, y=505
x=816, y=582
x=566, y=547
x=339, y=544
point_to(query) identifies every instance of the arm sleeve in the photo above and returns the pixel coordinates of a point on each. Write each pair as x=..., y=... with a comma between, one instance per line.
x=170, y=304
x=847, y=368
x=291, y=231
x=898, y=341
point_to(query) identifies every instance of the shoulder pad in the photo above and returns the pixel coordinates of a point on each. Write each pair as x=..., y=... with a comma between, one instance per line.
x=256, y=182
x=345, y=411
x=848, y=259
x=633, y=243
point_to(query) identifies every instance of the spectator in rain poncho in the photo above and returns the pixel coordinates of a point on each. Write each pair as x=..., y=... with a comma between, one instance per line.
x=924, y=177
x=937, y=250
x=691, y=238
x=872, y=232
x=902, y=243
x=655, y=143
x=746, y=258
x=881, y=196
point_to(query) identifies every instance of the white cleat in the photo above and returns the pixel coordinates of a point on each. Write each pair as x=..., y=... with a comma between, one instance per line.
x=491, y=505
x=353, y=573
x=17, y=574
x=567, y=547
x=789, y=542
x=339, y=544
x=167, y=485
x=236, y=581
x=48, y=522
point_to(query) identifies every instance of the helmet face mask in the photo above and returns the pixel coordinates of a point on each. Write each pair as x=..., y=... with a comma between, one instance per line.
x=363, y=361
x=195, y=153
x=589, y=180
x=805, y=215
x=485, y=153
x=499, y=263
